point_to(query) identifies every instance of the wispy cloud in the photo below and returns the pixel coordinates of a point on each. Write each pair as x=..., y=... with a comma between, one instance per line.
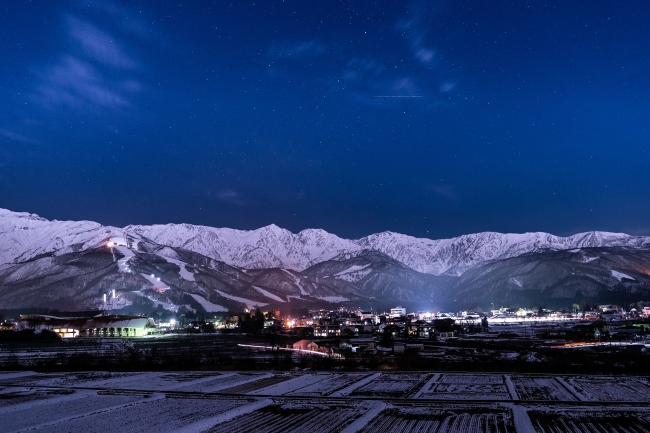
x=415, y=31
x=16, y=137
x=297, y=49
x=447, y=86
x=444, y=191
x=96, y=71
x=371, y=82
x=78, y=85
x=124, y=18
x=404, y=86
x=362, y=68
x=231, y=196
x=98, y=44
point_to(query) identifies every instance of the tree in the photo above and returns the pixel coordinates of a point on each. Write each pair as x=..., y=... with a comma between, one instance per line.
x=253, y=323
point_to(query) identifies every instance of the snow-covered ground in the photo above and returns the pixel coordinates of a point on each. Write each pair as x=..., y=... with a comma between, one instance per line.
x=268, y=294
x=310, y=402
x=249, y=303
x=620, y=275
x=207, y=305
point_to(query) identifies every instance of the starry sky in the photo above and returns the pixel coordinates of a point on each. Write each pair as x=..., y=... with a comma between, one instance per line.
x=429, y=118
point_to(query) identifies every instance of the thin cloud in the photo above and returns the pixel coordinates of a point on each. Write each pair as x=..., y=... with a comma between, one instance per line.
x=447, y=86
x=404, y=86
x=77, y=84
x=297, y=50
x=98, y=44
x=14, y=136
x=231, y=196
x=362, y=68
x=127, y=21
x=416, y=32
x=96, y=72
x=444, y=191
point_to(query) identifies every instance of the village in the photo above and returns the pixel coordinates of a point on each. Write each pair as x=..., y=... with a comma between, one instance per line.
x=351, y=333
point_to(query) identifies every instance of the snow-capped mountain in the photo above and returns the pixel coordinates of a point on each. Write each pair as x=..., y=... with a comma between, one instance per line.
x=64, y=262
x=24, y=236
x=273, y=246
x=267, y=247
x=455, y=256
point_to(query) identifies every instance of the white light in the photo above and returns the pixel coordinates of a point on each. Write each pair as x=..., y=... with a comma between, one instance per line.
x=151, y=275
x=158, y=279
x=172, y=322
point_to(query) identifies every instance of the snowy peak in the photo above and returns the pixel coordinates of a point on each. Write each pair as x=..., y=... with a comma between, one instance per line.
x=222, y=268
x=4, y=213
x=266, y=247
x=24, y=235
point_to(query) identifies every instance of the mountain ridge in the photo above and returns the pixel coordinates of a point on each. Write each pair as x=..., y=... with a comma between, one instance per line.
x=72, y=264
x=272, y=246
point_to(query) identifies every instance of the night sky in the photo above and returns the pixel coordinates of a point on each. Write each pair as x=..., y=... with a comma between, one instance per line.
x=433, y=119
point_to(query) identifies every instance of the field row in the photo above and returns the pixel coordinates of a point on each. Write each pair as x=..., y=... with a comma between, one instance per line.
x=412, y=386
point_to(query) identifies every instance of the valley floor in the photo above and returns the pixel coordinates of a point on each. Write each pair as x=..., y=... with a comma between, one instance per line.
x=303, y=401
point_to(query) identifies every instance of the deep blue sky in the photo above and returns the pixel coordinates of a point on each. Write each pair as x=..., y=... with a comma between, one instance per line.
x=429, y=118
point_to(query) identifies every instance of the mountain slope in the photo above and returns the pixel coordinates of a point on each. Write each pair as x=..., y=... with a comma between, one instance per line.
x=72, y=264
x=601, y=274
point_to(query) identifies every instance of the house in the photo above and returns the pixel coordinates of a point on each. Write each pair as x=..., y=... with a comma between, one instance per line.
x=306, y=345
x=327, y=330
x=445, y=334
x=590, y=331
x=363, y=344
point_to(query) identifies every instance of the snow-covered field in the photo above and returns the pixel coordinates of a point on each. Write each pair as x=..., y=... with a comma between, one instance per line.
x=390, y=385
x=610, y=388
x=313, y=402
x=541, y=388
x=466, y=387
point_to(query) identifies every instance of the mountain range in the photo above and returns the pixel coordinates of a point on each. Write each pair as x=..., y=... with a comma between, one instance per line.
x=71, y=265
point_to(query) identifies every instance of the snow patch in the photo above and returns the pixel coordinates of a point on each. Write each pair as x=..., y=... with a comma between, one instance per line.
x=268, y=294
x=296, y=281
x=620, y=275
x=333, y=299
x=353, y=268
x=184, y=273
x=207, y=305
x=157, y=284
x=249, y=304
